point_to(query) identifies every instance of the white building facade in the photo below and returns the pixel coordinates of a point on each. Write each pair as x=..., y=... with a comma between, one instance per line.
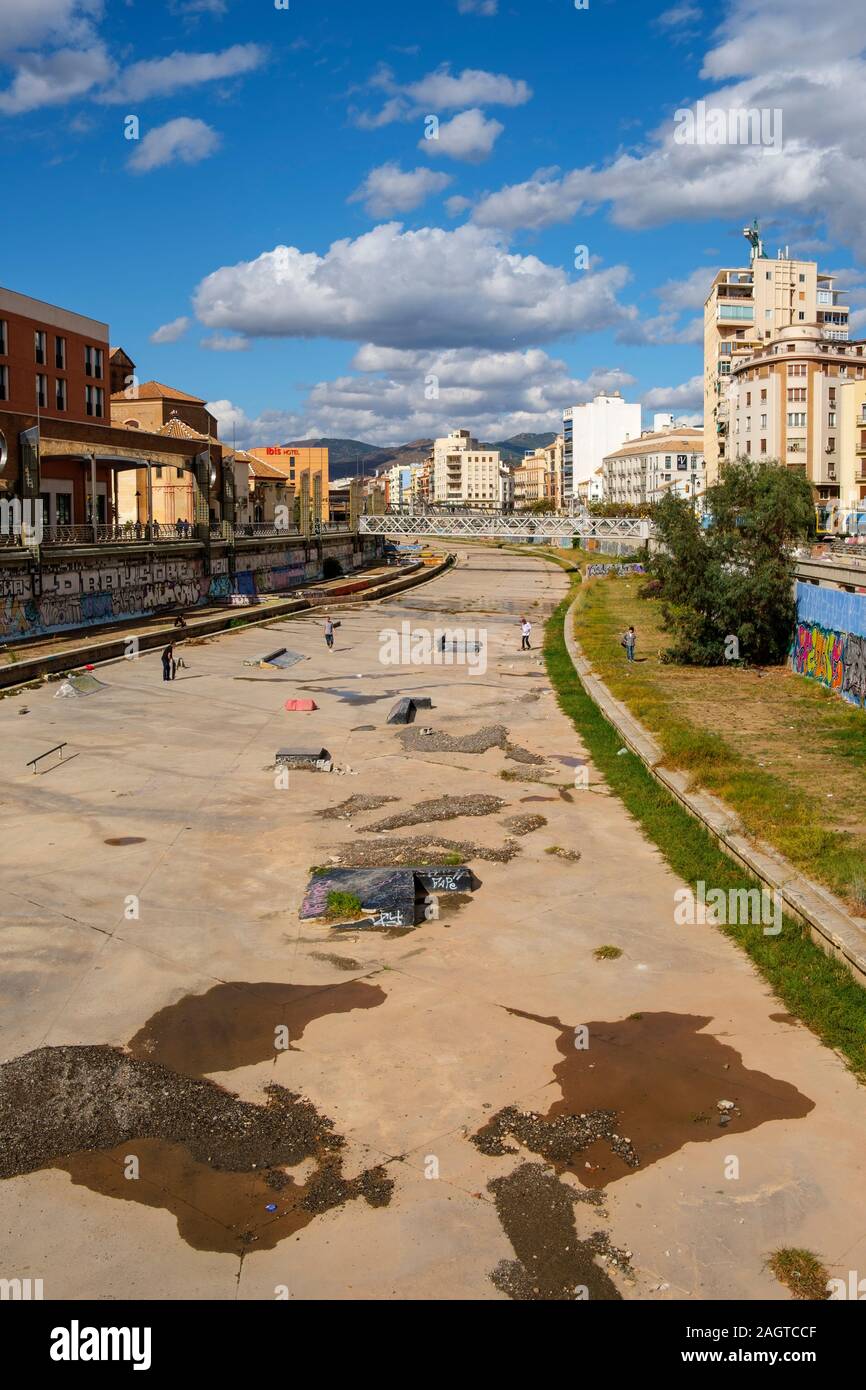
x=465, y=474
x=590, y=433
x=658, y=462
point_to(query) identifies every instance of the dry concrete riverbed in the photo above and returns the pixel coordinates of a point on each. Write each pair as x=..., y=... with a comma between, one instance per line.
x=204, y=1096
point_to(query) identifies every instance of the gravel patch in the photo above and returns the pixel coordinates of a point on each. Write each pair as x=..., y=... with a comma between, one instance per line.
x=432, y=849
x=414, y=740
x=441, y=808
x=523, y=825
x=354, y=806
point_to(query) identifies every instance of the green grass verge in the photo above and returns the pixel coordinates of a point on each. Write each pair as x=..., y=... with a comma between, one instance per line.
x=772, y=807
x=815, y=987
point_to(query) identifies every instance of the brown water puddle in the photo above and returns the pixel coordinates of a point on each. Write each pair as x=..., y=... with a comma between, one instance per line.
x=125, y=840
x=642, y=1089
x=216, y=1162
x=234, y=1025
x=219, y=1211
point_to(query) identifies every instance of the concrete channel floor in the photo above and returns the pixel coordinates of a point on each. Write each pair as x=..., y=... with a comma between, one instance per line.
x=458, y=1019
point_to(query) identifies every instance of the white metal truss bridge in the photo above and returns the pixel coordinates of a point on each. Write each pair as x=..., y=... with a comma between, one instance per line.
x=506, y=526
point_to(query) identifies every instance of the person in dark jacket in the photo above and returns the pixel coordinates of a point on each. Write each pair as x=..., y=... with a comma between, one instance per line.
x=168, y=663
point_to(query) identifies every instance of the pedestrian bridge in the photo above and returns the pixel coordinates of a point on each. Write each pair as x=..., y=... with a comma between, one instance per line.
x=506, y=526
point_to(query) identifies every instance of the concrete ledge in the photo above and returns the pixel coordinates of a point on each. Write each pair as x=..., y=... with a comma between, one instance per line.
x=830, y=924
x=114, y=648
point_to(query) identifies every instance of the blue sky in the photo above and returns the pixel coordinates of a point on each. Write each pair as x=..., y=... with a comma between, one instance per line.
x=423, y=283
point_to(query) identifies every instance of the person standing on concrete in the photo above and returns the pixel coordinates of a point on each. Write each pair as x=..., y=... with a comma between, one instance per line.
x=628, y=641
x=168, y=663
x=525, y=630
x=329, y=632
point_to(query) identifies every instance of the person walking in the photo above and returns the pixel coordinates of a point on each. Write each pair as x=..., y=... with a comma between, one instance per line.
x=525, y=630
x=628, y=641
x=168, y=663
x=329, y=632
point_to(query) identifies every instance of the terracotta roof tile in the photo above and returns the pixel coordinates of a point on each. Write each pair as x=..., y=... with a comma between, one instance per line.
x=155, y=390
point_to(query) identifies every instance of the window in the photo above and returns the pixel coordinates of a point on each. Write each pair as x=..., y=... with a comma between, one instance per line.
x=796, y=393
x=796, y=369
x=60, y=393
x=60, y=354
x=797, y=419
x=93, y=362
x=763, y=422
x=802, y=279
x=763, y=395
x=39, y=340
x=763, y=446
x=748, y=446
x=831, y=445
x=93, y=400
x=4, y=383
x=831, y=418
x=748, y=398
x=801, y=316
x=725, y=349
x=41, y=391
x=158, y=470
x=179, y=472
x=3, y=343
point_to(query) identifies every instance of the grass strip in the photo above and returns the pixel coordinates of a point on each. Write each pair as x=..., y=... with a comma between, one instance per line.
x=816, y=988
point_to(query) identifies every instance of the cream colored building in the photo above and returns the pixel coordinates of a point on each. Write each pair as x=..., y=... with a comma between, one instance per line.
x=747, y=307
x=466, y=475
x=784, y=403
x=538, y=476
x=660, y=461
x=851, y=443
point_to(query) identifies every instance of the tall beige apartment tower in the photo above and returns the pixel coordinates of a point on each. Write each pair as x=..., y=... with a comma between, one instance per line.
x=747, y=307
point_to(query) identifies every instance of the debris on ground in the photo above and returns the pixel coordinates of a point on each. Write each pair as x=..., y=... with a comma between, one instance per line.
x=354, y=806
x=558, y=1139
x=572, y=855
x=432, y=849
x=523, y=825
x=552, y=1263
x=440, y=808
x=416, y=740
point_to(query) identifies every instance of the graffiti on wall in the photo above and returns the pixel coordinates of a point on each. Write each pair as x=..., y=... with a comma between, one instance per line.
x=836, y=660
x=600, y=571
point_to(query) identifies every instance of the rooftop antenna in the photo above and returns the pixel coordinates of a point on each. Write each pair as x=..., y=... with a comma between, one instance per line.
x=753, y=237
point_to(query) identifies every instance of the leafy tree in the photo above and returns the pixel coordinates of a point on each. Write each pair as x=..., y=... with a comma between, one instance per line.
x=543, y=505
x=733, y=578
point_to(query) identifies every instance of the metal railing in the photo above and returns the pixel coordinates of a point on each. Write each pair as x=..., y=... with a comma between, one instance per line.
x=504, y=525
x=120, y=533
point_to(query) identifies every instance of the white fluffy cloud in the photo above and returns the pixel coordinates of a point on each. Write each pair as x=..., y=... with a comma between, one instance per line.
x=389, y=189
x=799, y=59
x=225, y=342
x=469, y=135
x=394, y=395
x=424, y=288
x=54, y=78
x=688, y=396
x=24, y=23
x=161, y=77
x=181, y=141
x=170, y=332
x=439, y=91
x=482, y=7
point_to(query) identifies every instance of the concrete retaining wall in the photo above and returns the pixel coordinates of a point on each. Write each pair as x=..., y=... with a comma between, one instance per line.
x=75, y=590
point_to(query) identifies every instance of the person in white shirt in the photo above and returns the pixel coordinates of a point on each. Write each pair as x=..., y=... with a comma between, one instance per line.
x=525, y=630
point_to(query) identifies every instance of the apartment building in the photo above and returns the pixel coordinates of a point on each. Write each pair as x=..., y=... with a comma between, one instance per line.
x=467, y=475
x=53, y=362
x=784, y=403
x=592, y=431
x=659, y=461
x=293, y=461
x=538, y=476
x=851, y=398
x=747, y=307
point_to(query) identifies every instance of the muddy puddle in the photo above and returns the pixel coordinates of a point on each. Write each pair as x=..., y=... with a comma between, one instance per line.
x=234, y=1025
x=125, y=840
x=147, y=1126
x=642, y=1089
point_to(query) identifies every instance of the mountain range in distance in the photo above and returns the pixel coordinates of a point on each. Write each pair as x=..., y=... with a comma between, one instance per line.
x=356, y=456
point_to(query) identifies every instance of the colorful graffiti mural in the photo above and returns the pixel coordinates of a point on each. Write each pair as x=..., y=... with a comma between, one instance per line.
x=601, y=571
x=834, y=656
x=82, y=594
